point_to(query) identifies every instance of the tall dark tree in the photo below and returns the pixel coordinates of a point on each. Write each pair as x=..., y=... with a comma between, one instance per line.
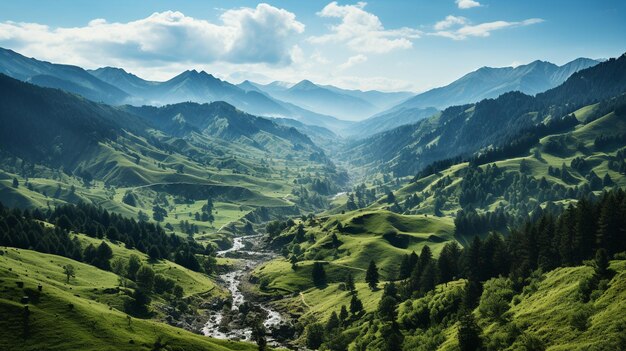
x=448, y=262
x=318, y=274
x=258, y=334
x=356, y=306
x=405, y=268
x=371, y=275
x=469, y=333
x=350, y=282
x=387, y=309
x=314, y=335
x=332, y=323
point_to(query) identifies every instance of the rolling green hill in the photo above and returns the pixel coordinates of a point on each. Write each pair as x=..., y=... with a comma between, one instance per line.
x=82, y=314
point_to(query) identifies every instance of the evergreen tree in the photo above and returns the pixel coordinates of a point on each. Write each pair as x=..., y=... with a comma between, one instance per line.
x=392, y=336
x=258, y=334
x=608, y=225
x=428, y=278
x=16, y=183
x=350, y=282
x=103, y=255
x=356, y=305
x=300, y=234
x=371, y=275
x=343, y=315
x=387, y=309
x=469, y=333
x=318, y=274
x=601, y=264
x=405, y=268
x=314, y=335
x=332, y=323
x=133, y=266
x=448, y=262
x=145, y=278
x=154, y=253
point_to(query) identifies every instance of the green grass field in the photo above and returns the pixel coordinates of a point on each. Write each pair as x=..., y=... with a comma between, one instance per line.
x=94, y=321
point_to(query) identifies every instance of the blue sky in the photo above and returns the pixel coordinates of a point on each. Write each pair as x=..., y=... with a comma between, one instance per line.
x=381, y=44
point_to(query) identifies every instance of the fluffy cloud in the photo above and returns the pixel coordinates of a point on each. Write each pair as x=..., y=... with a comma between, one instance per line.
x=245, y=35
x=450, y=21
x=463, y=30
x=362, y=31
x=353, y=60
x=467, y=4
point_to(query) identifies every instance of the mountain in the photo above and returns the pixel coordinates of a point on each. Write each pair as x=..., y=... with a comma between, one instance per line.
x=221, y=120
x=488, y=82
x=381, y=123
x=55, y=127
x=202, y=87
x=189, y=86
x=327, y=101
x=463, y=130
x=70, y=78
x=382, y=100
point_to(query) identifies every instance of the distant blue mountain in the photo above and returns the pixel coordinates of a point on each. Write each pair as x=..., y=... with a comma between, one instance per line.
x=487, y=82
x=69, y=78
x=352, y=105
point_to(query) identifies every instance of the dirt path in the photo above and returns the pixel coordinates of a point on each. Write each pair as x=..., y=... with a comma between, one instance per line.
x=303, y=300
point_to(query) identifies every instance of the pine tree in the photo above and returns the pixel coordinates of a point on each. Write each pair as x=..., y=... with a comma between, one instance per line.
x=343, y=315
x=145, y=278
x=448, y=262
x=258, y=334
x=356, y=305
x=133, y=266
x=608, y=225
x=371, y=276
x=469, y=333
x=318, y=274
x=387, y=309
x=350, y=282
x=428, y=278
x=601, y=264
x=314, y=335
x=583, y=241
x=332, y=323
x=405, y=268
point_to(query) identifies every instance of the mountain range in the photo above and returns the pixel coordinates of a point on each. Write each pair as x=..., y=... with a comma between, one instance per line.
x=489, y=82
x=354, y=105
x=465, y=129
x=343, y=112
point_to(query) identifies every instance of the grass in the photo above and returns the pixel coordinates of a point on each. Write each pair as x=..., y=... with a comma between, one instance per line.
x=370, y=234
x=94, y=323
x=192, y=282
x=581, y=144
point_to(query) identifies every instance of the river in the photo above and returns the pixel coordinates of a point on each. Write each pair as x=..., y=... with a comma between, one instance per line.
x=232, y=281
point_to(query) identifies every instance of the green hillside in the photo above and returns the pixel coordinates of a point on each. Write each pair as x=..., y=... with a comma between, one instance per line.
x=82, y=314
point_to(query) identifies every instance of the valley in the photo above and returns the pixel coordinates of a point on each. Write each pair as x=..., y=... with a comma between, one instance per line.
x=196, y=214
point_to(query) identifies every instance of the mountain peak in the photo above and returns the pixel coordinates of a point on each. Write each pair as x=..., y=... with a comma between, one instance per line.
x=305, y=84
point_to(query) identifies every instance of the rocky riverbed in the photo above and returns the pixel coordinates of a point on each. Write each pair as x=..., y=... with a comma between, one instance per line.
x=234, y=320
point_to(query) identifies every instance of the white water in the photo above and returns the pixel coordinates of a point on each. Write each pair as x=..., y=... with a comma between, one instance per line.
x=233, y=280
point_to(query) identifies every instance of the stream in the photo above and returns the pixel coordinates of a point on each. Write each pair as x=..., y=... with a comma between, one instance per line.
x=232, y=281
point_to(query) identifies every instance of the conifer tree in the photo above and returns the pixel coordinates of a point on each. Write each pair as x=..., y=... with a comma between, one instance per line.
x=371, y=275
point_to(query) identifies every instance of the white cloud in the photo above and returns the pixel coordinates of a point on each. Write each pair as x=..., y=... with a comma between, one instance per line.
x=479, y=30
x=363, y=31
x=450, y=21
x=353, y=60
x=467, y=4
x=245, y=35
